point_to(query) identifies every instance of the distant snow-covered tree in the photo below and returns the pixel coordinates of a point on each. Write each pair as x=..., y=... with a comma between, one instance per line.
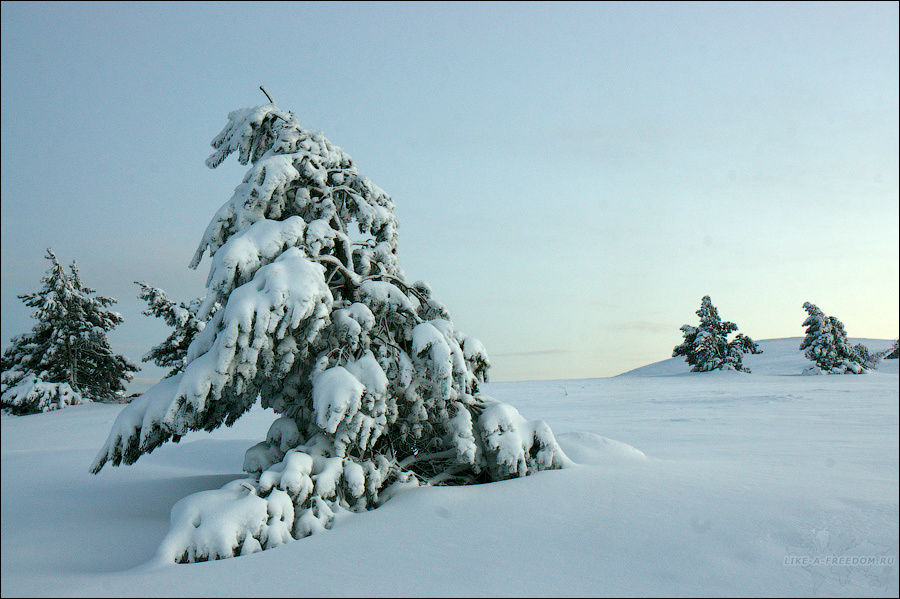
x=183, y=320
x=867, y=358
x=706, y=347
x=894, y=352
x=66, y=358
x=826, y=344
x=374, y=385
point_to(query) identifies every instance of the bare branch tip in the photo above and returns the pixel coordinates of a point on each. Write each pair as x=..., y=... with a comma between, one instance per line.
x=263, y=90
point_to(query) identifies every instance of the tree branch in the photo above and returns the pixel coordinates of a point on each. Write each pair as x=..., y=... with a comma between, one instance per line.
x=348, y=274
x=263, y=90
x=439, y=455
x=448, y=473
x=406, y=286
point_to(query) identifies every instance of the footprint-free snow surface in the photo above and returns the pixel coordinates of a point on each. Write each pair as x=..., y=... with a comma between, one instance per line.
x=717, y=483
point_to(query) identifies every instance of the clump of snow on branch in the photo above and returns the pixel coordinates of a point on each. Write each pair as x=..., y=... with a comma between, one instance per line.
x=307, y=310
x=513, y=446
x=229, y=521
x=244, y=342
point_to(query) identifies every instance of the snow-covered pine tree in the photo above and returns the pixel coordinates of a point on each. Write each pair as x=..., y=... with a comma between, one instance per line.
x=866, y=357
x=183, y=320
x=374, y=385
x=818, y=343
x=825, y=343
x=706, y=347
x=893, y=352
x=66, y=358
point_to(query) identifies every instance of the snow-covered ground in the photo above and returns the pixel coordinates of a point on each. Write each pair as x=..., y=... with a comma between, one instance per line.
x=718, y=483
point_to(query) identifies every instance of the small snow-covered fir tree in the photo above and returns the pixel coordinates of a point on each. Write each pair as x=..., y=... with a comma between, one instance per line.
x=66, y=358
x=893, y=352
x=866, y=357
x=826, y=344
x=183, y=320
x=706, y=347
x=374, y=385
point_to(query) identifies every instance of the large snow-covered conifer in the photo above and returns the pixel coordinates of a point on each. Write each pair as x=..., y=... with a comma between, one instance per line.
x=826, y=344
x=308, y=311
x=66, y=358
x=706, y=347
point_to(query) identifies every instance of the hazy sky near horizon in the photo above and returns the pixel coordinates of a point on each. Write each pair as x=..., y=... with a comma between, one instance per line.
x=570, y=179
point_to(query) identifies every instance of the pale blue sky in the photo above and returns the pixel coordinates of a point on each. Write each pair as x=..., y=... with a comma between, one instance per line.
x=570, y=179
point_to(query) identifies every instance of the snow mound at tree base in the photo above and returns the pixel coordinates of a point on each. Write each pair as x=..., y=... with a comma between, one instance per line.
x=296, y=491
x=229, y=521
x=591, y=448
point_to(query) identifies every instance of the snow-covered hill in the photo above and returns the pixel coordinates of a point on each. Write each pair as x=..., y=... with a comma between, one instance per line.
x=718, y=483
x=779, y=357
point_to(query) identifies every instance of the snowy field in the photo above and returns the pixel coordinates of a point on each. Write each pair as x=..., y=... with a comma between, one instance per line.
x=687, y=484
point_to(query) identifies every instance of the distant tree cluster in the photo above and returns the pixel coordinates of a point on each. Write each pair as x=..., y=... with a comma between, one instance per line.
x=706, y=347
x=66, y=358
